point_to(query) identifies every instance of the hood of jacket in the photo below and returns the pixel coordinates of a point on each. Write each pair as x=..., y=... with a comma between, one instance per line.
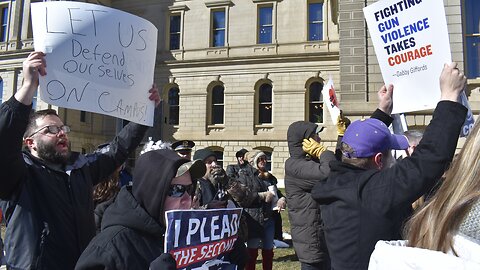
x=298, y=131
x=153, y=173
x=127, y=212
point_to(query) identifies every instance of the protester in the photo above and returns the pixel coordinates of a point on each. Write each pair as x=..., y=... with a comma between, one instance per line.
x=307, y=164
x=261, y=226
x=133, y=226
x=301, y=173
x=54, y=221
x=445, y=233
x=184, y=148
x=364, y=199
x=279, y=203
x=414, y=137
x=104, y=194
x=207, y=191
x=233, y=169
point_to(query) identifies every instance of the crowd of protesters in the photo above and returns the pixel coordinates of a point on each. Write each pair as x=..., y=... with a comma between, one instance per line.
x=348, y=209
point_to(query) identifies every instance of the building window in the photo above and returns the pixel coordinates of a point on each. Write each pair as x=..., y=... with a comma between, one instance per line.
x=83, y=116
x=315, y=21
x=315, y=102
x=34, y=100
x=265, y=105
x=265, y=24
x=219, y=155
x=173, y=106
x=4, y=29
x=218, y=28
x=1, y=90
x=175, y=31
x=472, y=38
x=217, y=105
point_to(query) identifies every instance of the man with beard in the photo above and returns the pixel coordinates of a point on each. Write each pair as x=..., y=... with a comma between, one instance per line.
x=49, y=199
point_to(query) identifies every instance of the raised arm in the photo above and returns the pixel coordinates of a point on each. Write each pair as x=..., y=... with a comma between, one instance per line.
x=411, y=177
x=122, y=145
x=14, y=115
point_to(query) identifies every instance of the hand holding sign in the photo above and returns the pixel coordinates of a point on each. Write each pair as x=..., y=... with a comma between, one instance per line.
x=99, y=58
x=452, y=82
x=154, y=95
x=385, y=99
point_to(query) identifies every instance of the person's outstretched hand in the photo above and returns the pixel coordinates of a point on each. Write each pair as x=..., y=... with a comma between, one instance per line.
x=385, y=99
x=312, y=147
x=342, y=124
x=452, y=82
x=163, y=262
x=154, y=95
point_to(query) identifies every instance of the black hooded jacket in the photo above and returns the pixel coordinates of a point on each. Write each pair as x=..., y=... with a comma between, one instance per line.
x=133, y=226
x=301, y=174
x=51, y=211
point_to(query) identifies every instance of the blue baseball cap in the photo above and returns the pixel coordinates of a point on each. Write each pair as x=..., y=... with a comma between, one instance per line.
x=368, y=137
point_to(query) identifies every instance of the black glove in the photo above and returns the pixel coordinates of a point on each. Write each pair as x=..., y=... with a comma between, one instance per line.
x=218, y=176
x=163, y=262
x=239, y=254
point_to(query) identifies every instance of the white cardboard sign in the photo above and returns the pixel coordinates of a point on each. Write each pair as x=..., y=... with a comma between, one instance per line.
x=99, y=59
x=411, y=42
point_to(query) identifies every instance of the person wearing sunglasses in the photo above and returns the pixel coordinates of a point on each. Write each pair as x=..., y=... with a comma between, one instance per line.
x=54, y=221
x=133, y=227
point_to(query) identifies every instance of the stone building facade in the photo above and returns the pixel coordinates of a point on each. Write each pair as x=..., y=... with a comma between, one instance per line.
x=236, y=73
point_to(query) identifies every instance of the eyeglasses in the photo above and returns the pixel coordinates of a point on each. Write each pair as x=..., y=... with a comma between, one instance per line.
x=177, y=190
x=52, y=129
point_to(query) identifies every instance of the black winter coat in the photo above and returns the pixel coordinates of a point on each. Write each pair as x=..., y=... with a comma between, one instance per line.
x=259, y=211
x=53, y=221
x=130, y=237
x=301, y=174
x=360, y=207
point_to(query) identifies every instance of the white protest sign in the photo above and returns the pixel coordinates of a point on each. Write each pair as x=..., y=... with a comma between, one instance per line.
x=331, y=101
x=99, y=59
x=411, y=42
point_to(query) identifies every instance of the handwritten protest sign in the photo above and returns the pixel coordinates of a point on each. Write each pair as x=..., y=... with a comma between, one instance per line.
x=98, y=59
x=411, y=42
x=198, y=239
x=330, y=100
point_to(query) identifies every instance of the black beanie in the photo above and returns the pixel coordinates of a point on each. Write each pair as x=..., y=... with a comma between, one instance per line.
x=241, y=152
x=153, y=173
x=203, y=154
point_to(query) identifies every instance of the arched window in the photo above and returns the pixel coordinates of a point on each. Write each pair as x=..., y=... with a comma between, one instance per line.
x=217, y=109
x=315, y=102
x=265, y=105
x=173, y=106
